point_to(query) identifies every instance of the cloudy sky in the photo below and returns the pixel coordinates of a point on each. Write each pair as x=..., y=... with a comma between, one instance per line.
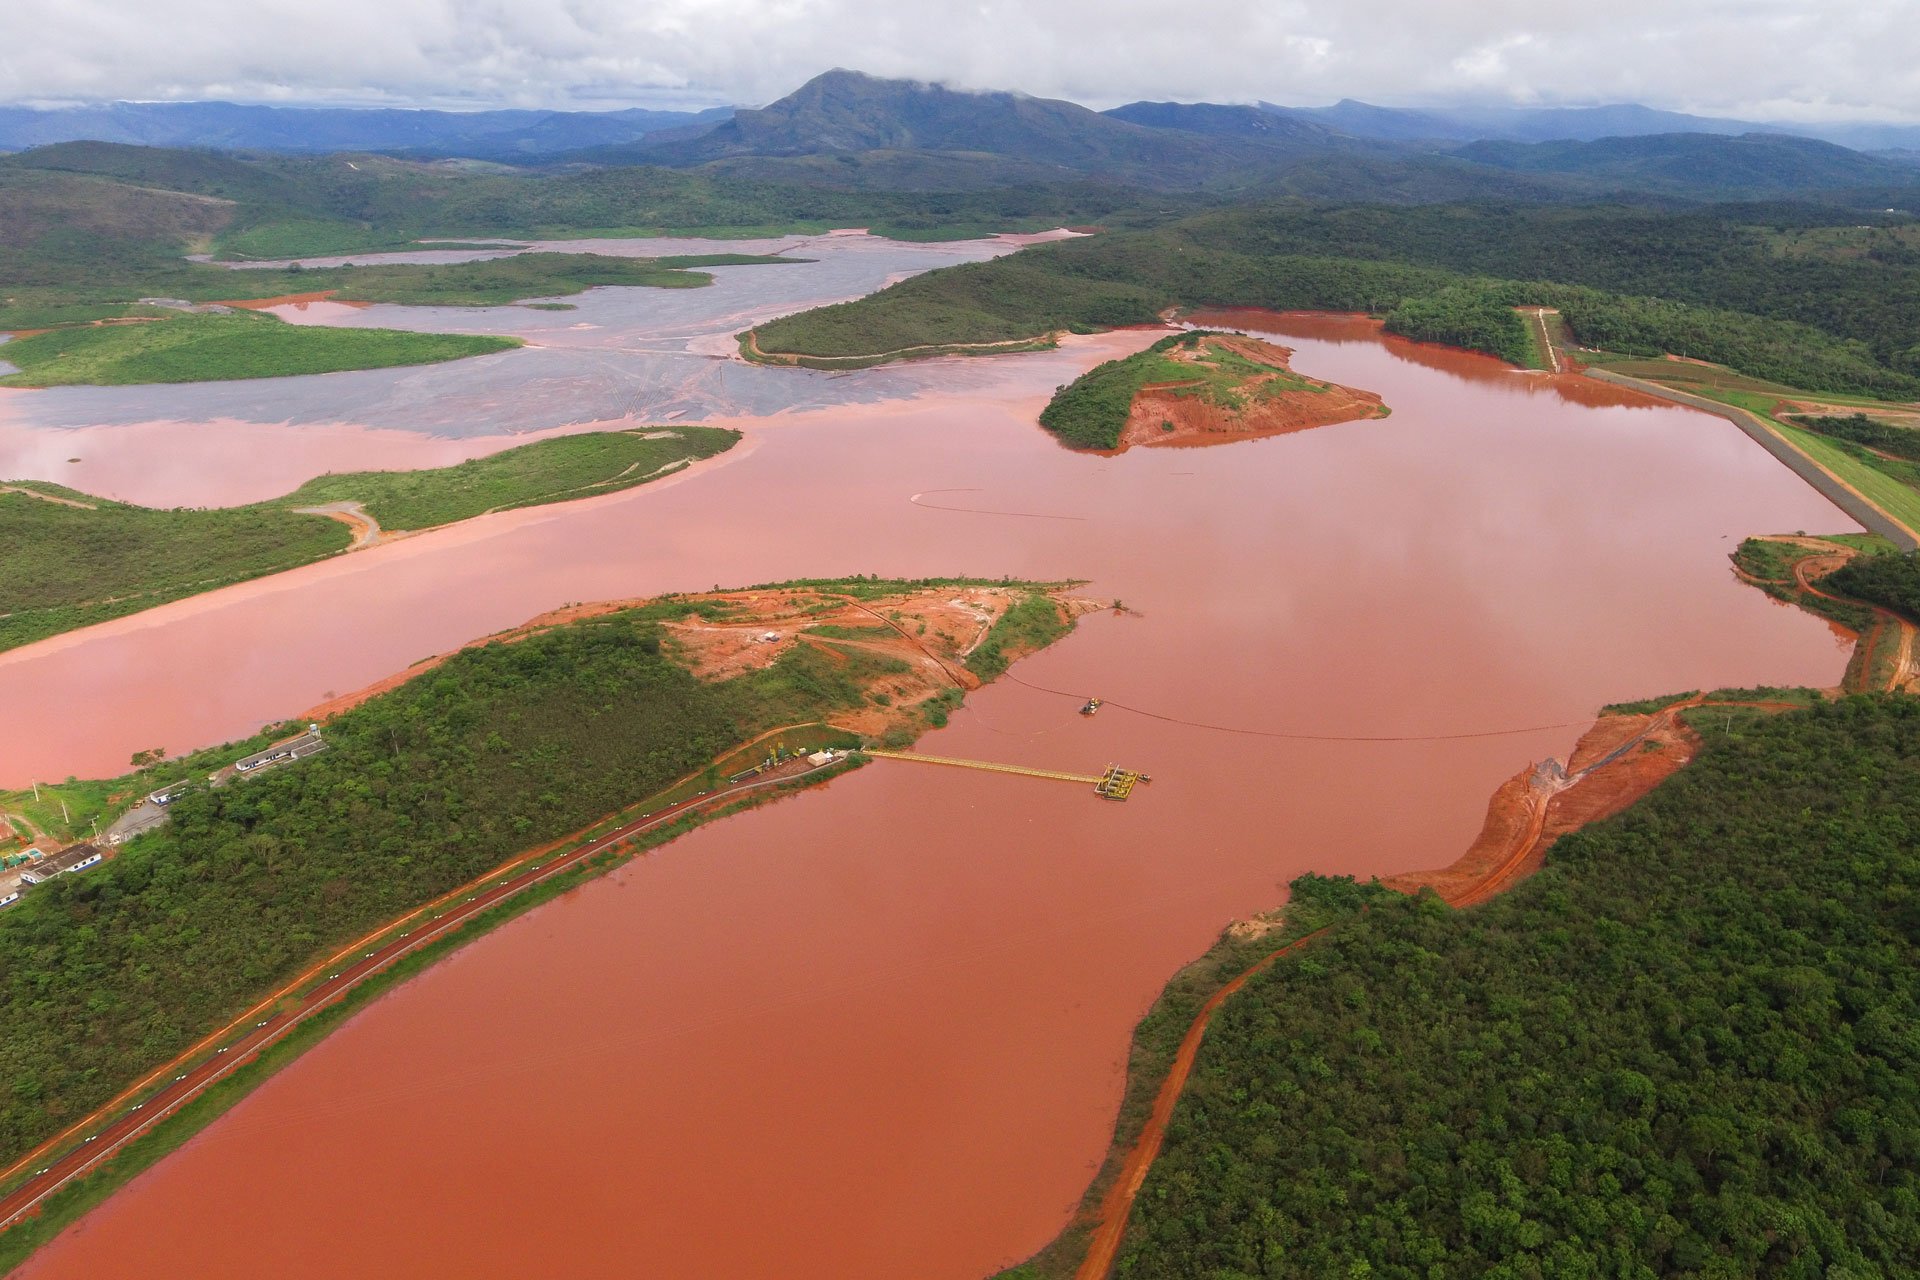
x=1777, y=59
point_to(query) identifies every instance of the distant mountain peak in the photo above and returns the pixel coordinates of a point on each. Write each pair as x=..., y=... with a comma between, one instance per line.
x=842, y=112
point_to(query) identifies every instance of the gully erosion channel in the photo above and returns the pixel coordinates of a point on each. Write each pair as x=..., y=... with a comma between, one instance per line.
x=880, y=1030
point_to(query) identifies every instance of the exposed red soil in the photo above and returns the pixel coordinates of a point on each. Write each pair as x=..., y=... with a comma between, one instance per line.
x=1888, y=627
x=1195, y=420
x=366, y=530
x=1617, y=761
x=1540, y=804
x=1900, y=415
x=930, y=632
x=1117, y=1205
x=289, y=300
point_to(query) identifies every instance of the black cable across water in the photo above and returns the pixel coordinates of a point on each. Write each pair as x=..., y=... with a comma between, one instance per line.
x=1307, y=737
x=982, y=511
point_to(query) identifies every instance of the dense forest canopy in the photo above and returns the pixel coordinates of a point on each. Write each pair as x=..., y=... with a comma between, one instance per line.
x=1891, y=581
x=1624, y=280
x=1686, y=1048
x=71, y=559
x=501, y=749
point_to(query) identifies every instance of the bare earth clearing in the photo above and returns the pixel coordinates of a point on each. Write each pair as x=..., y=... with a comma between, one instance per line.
x=1266, y=397
x=928, y=632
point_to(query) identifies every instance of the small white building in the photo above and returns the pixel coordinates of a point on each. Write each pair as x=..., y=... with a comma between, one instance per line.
x=78, y=858
x=298, y=748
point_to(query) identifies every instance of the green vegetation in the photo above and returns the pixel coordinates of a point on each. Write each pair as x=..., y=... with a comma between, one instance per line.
x=500, y=749
x=1890, y=581
x=1871, y=543
x=69, y=560
x=1869, y=433
x=834, y=631
x=67, y=811
x=1313, y=903
x=86, y=229
x=496, y=281
x=1888, y=482
x=217, y=348
x=65, y=566
x=1462, y=316
x=1646, y=706
x=1091, y=411
x=1622, y=280
x=74, y=1200
x=1796, y=696
x=1706, y=263
x=575, y=466
x=1770, y=564
x=1684, y=1048
x=1891, y=485
x=870, y=586
x=1033, y=623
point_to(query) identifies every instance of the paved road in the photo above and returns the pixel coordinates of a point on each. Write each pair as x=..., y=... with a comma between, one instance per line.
x=109, y=1132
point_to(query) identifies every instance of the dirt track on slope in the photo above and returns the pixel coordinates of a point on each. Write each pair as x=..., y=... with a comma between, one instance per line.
x=1117, y=1206
x=366, y=530
x=1807, y=572
x=1617, y=761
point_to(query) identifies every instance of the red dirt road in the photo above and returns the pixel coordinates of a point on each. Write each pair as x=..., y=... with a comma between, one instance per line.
x=1117, y=1207
x=123, y=1120
x=1528, y=813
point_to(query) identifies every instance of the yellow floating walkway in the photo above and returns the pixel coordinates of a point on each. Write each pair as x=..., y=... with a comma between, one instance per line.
x=1087, y=779
x=1115, y=784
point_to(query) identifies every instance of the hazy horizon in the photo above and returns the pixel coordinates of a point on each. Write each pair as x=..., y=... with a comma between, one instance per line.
x=1800, y=61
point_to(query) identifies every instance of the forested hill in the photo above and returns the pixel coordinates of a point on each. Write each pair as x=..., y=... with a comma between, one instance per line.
x=847, y=113
x=1754, y=165
x=1803, y=296
x=516, y=134
x=1686, y=1048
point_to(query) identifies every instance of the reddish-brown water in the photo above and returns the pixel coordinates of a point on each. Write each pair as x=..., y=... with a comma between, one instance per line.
x=879, y=1030
x=157, y=464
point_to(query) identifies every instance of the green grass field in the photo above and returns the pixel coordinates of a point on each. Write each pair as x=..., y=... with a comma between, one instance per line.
x=69, y=560
x=220, y=348
x=493, y=282
x=1716, y=380
x=67, y=566
x=1884, y=482
x=554, y=470
x=1898, y=500
x=1855, y=466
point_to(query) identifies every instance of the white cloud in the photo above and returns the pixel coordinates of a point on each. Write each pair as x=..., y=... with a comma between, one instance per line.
x=1775, y=58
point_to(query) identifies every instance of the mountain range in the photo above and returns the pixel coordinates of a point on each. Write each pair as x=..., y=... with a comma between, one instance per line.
x=852, y=131
x=229, y=126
